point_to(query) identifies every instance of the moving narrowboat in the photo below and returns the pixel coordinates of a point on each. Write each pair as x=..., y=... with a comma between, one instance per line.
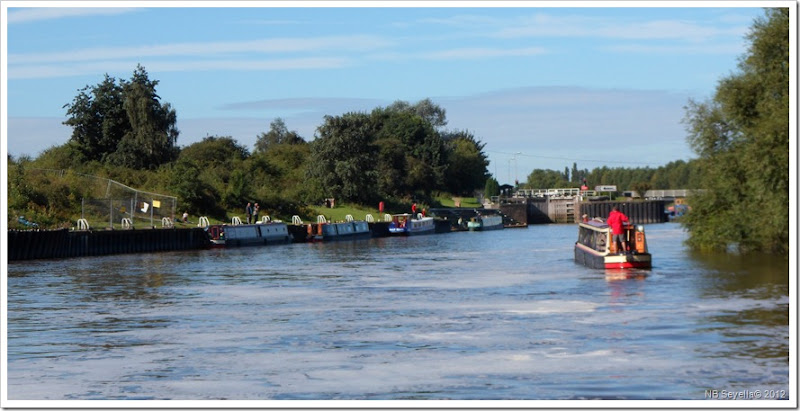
x=596, y=249
x=408, y=224
x=225, y=235
x=485, y=223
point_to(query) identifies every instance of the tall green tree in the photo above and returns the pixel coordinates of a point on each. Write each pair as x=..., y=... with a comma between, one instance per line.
x=124, y=123
x=466, y=163
x=343, y=158
x=98, y=119
x=742, y=138
x=278, y=134
x=423, y=149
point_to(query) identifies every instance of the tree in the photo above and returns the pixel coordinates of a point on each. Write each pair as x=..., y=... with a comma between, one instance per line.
x=466, y=162
x=98, y=119
x=194, y=195
x=742, y=138
x=422, y=149
x=218, y=162
x=215, y=151
x=124, y=124
x=343, y=158
x=278, y=134
x=539, y=178
x=641, y=187
x=492, y=188
x=427, y=109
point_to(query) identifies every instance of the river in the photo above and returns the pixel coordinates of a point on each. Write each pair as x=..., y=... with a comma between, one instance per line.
x=501, y=315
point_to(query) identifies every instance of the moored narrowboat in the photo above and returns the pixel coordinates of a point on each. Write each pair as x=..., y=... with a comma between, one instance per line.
x=408, y=224
x=348, y=230
x=324, y=230
x=225, y=235
x=596, y=249
x=485, y=223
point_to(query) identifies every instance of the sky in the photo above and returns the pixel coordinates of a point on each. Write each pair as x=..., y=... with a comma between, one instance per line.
x=543, y=85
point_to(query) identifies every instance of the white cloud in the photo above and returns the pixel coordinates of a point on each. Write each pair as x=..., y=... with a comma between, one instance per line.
x=466, y=53
x=272, y=45
x=51, y=13
x=481, y=52
x=701, y=49
x=308, y=104
x=198, y=56
x=464, y=21
x=92, y=68
x=545, y=25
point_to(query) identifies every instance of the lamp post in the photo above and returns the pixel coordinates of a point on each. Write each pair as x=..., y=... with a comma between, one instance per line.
x=516, y=174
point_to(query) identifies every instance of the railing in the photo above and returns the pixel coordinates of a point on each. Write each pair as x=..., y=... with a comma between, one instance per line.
x=677, y=193
x=553, y=192
x=203, y=222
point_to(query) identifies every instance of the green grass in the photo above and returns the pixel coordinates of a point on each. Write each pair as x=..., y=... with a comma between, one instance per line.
x=448, y=201
x=340, y=212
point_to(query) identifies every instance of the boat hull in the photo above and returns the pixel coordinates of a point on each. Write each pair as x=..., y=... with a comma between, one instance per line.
x=486, y=223
x=352, y=230
x=593, y=259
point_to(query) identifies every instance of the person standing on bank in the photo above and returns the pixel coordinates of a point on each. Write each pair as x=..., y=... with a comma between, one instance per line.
x=249, y=212
x=616, y=219
x=255, y=213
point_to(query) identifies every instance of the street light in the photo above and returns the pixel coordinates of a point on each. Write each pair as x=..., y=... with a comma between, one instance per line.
x=516, y=174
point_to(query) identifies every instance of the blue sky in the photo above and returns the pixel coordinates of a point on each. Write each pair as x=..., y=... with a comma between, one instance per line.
x=592, y=85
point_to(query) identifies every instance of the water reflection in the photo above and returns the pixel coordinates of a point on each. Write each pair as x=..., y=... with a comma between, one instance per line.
x=750, y=310
x=753, y=275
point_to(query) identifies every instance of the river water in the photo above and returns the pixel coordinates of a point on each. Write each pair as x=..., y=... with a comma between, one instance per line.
x=463, y=316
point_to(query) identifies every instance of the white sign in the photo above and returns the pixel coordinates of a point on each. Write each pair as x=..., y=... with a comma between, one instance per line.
x=605, y=189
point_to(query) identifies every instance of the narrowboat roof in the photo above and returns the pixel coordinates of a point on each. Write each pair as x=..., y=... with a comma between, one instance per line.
x=595, y=224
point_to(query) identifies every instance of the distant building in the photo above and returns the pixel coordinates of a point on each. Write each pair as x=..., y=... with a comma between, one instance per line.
x=506, y=190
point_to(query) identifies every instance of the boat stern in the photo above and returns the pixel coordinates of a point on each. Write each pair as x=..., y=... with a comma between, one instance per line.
x=631, y=260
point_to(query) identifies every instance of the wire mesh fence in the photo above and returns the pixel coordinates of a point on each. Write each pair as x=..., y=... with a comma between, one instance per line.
x=108, y=203
x=139, y=210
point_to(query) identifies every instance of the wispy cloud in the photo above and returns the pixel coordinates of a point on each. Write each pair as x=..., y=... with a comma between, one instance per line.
x=464, y=21
x=65, y=70
x=468, y=53
x=262, y=54
x=482, y=52
x=307, y=104
x=579, y=25
x=700, y=49
x=274, y=45
x=28, y=15
x=545, y=25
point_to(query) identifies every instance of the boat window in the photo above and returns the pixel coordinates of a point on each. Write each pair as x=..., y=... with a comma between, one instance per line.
x=600, y=241
x=586, y=237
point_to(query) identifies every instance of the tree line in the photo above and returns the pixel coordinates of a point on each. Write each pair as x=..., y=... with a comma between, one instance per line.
x=677, y=174
x=122, y=131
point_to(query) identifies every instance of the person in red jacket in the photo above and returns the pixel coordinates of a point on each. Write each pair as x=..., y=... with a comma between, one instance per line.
x=615, y=220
